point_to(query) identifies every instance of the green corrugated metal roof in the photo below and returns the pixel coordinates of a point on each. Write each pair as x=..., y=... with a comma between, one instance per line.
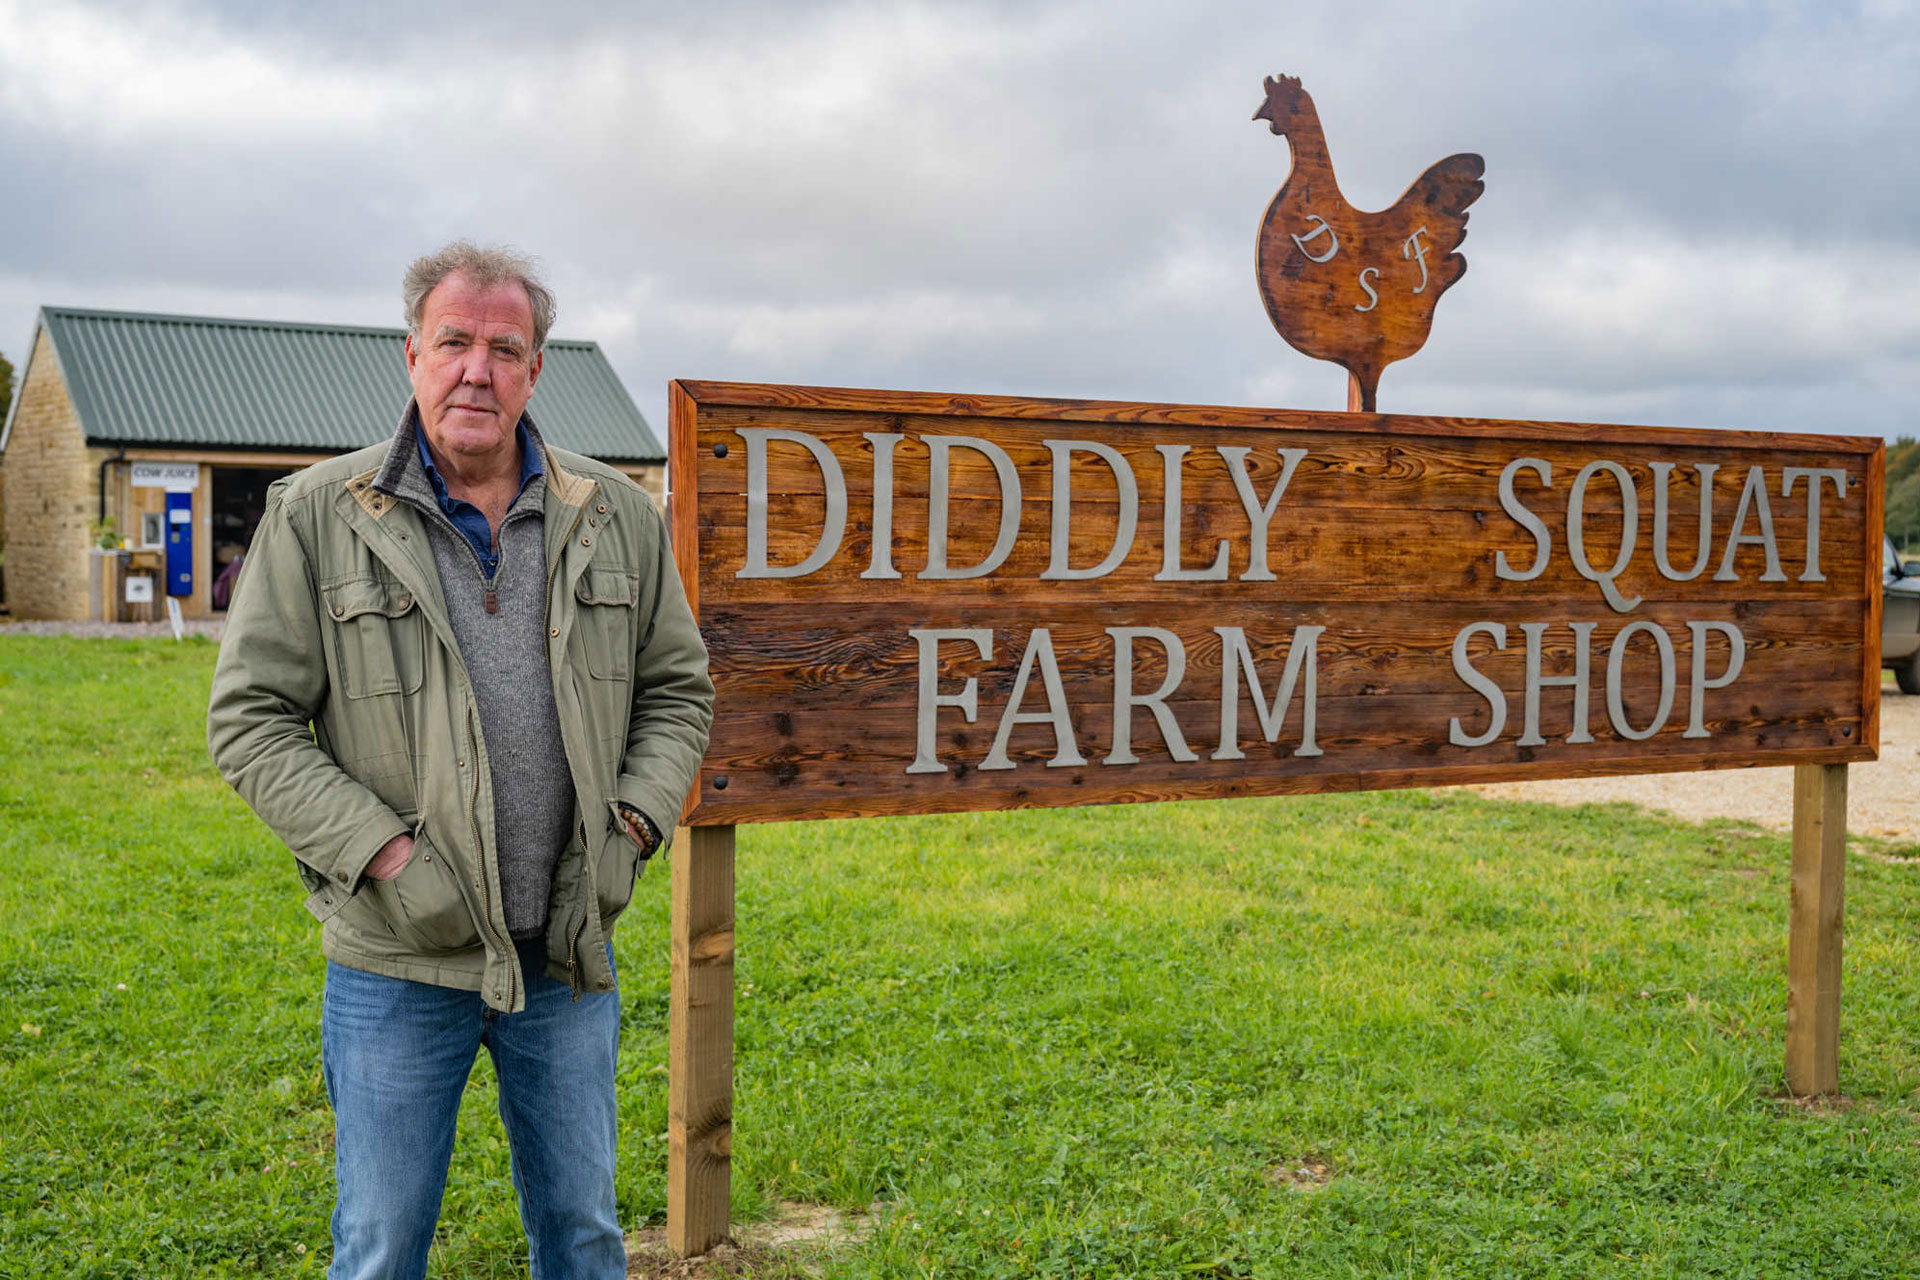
x=193, y=381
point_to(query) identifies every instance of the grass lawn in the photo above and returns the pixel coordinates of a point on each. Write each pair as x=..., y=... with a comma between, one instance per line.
x=1403, y=1034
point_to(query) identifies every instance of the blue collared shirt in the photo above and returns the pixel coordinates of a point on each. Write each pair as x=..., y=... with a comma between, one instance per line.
x=467, y=518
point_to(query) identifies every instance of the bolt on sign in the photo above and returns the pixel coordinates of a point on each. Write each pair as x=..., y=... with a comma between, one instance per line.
x=921, y=603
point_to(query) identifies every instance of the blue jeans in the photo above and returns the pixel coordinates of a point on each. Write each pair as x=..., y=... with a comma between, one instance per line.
x=396, y=1055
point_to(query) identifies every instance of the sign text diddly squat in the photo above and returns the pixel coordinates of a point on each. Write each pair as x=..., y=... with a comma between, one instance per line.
x=1525, y=489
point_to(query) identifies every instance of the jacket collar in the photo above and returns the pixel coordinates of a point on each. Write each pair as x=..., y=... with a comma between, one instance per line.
x=400, y=473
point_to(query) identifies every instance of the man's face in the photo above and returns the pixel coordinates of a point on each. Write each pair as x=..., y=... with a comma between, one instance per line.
x=473, y=366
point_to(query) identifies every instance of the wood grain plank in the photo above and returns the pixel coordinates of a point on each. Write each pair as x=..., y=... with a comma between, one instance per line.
x=1814, y=940
x=1386, y=725
x=861, y=656
x=1339, y=468
x=848, y=802
x=1122, y=412
x=1341, y=553
x=1370, y=736
x=683, y=510
x=1871, y=591
x=700, y=1040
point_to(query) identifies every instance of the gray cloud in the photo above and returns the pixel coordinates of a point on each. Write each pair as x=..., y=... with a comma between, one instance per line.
x=1697, y=214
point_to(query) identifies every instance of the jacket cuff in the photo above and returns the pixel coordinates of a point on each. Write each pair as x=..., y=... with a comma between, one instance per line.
x=652, y=806
x=622, y=812
x=352, y=864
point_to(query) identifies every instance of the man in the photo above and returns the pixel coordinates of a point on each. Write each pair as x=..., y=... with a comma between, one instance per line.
x=461, y=682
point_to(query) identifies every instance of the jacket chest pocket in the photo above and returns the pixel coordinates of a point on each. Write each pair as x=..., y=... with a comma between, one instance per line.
x=379, y=637
x=604, y=620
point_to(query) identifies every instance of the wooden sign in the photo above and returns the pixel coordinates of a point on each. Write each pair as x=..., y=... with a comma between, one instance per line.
x=1356, y=288
x=920, y=603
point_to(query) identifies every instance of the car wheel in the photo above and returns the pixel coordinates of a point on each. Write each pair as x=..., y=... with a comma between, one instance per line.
x=1907, y=675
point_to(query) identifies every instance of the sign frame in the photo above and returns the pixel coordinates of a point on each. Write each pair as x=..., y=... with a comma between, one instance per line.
x=723, y=794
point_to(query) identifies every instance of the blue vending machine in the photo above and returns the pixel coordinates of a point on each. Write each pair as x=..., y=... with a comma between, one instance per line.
x=179, y=544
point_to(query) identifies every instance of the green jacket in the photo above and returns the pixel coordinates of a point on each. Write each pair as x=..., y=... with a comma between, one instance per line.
x=342, y=712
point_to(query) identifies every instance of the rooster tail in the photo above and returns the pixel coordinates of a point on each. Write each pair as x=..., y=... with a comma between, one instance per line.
x=1454, y=183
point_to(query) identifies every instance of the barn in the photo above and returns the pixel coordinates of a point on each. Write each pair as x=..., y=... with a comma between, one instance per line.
x=138, y=449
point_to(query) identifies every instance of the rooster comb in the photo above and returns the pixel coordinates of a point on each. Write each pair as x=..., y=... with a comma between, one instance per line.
x=1291, y=82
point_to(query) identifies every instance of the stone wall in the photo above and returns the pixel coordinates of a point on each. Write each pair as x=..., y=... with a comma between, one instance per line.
x=651, y=478
x=50, y=479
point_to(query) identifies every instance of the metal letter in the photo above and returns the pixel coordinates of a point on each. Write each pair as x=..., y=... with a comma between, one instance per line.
x=938, y=483
x=1412, y=248
x=1373, y=299
x=1509, y=503
x=1236, y=657
x=834, y=483
x=1301, y=242
x=1756, y=488
x=1580, y=681
x=1814, y=475
x=1661, y=471
x=1125, y=700
x=1736, y=658
x=925, y=757
x=883, y=443
x=1066, y=754
x=1170, y=539
x=1058, y=568
x=1485, y=687
x=1616, y=705
x=1259, y=515
x=1629, y=531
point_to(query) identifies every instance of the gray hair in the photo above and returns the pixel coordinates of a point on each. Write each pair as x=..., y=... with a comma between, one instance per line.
x=487, y=267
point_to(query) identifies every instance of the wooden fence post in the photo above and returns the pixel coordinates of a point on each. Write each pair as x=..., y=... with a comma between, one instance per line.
x=700, y=1041
x=1814, y=931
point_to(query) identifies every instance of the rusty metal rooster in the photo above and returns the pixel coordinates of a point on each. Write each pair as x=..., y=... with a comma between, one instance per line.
x=1356, y=288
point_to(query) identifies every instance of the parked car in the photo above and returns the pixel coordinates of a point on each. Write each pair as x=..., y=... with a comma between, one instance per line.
x=1899, y=619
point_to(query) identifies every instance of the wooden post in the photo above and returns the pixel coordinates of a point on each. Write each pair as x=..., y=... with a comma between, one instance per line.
x=700, y=1041
x=1814, y=931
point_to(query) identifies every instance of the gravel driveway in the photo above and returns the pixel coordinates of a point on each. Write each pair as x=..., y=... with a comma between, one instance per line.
x=209, y=627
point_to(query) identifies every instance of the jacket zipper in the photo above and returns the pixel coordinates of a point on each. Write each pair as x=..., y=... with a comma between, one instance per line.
x=580, y=925
x=574, y=979
x=490, y=597
x=480, y=843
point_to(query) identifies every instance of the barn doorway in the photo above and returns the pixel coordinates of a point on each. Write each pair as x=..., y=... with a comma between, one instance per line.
x=238, y=500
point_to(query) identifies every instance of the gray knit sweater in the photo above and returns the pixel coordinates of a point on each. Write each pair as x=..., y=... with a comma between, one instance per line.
x=505, y=653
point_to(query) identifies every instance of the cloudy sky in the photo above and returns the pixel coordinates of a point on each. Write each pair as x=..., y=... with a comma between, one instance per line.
x=1702, y=214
